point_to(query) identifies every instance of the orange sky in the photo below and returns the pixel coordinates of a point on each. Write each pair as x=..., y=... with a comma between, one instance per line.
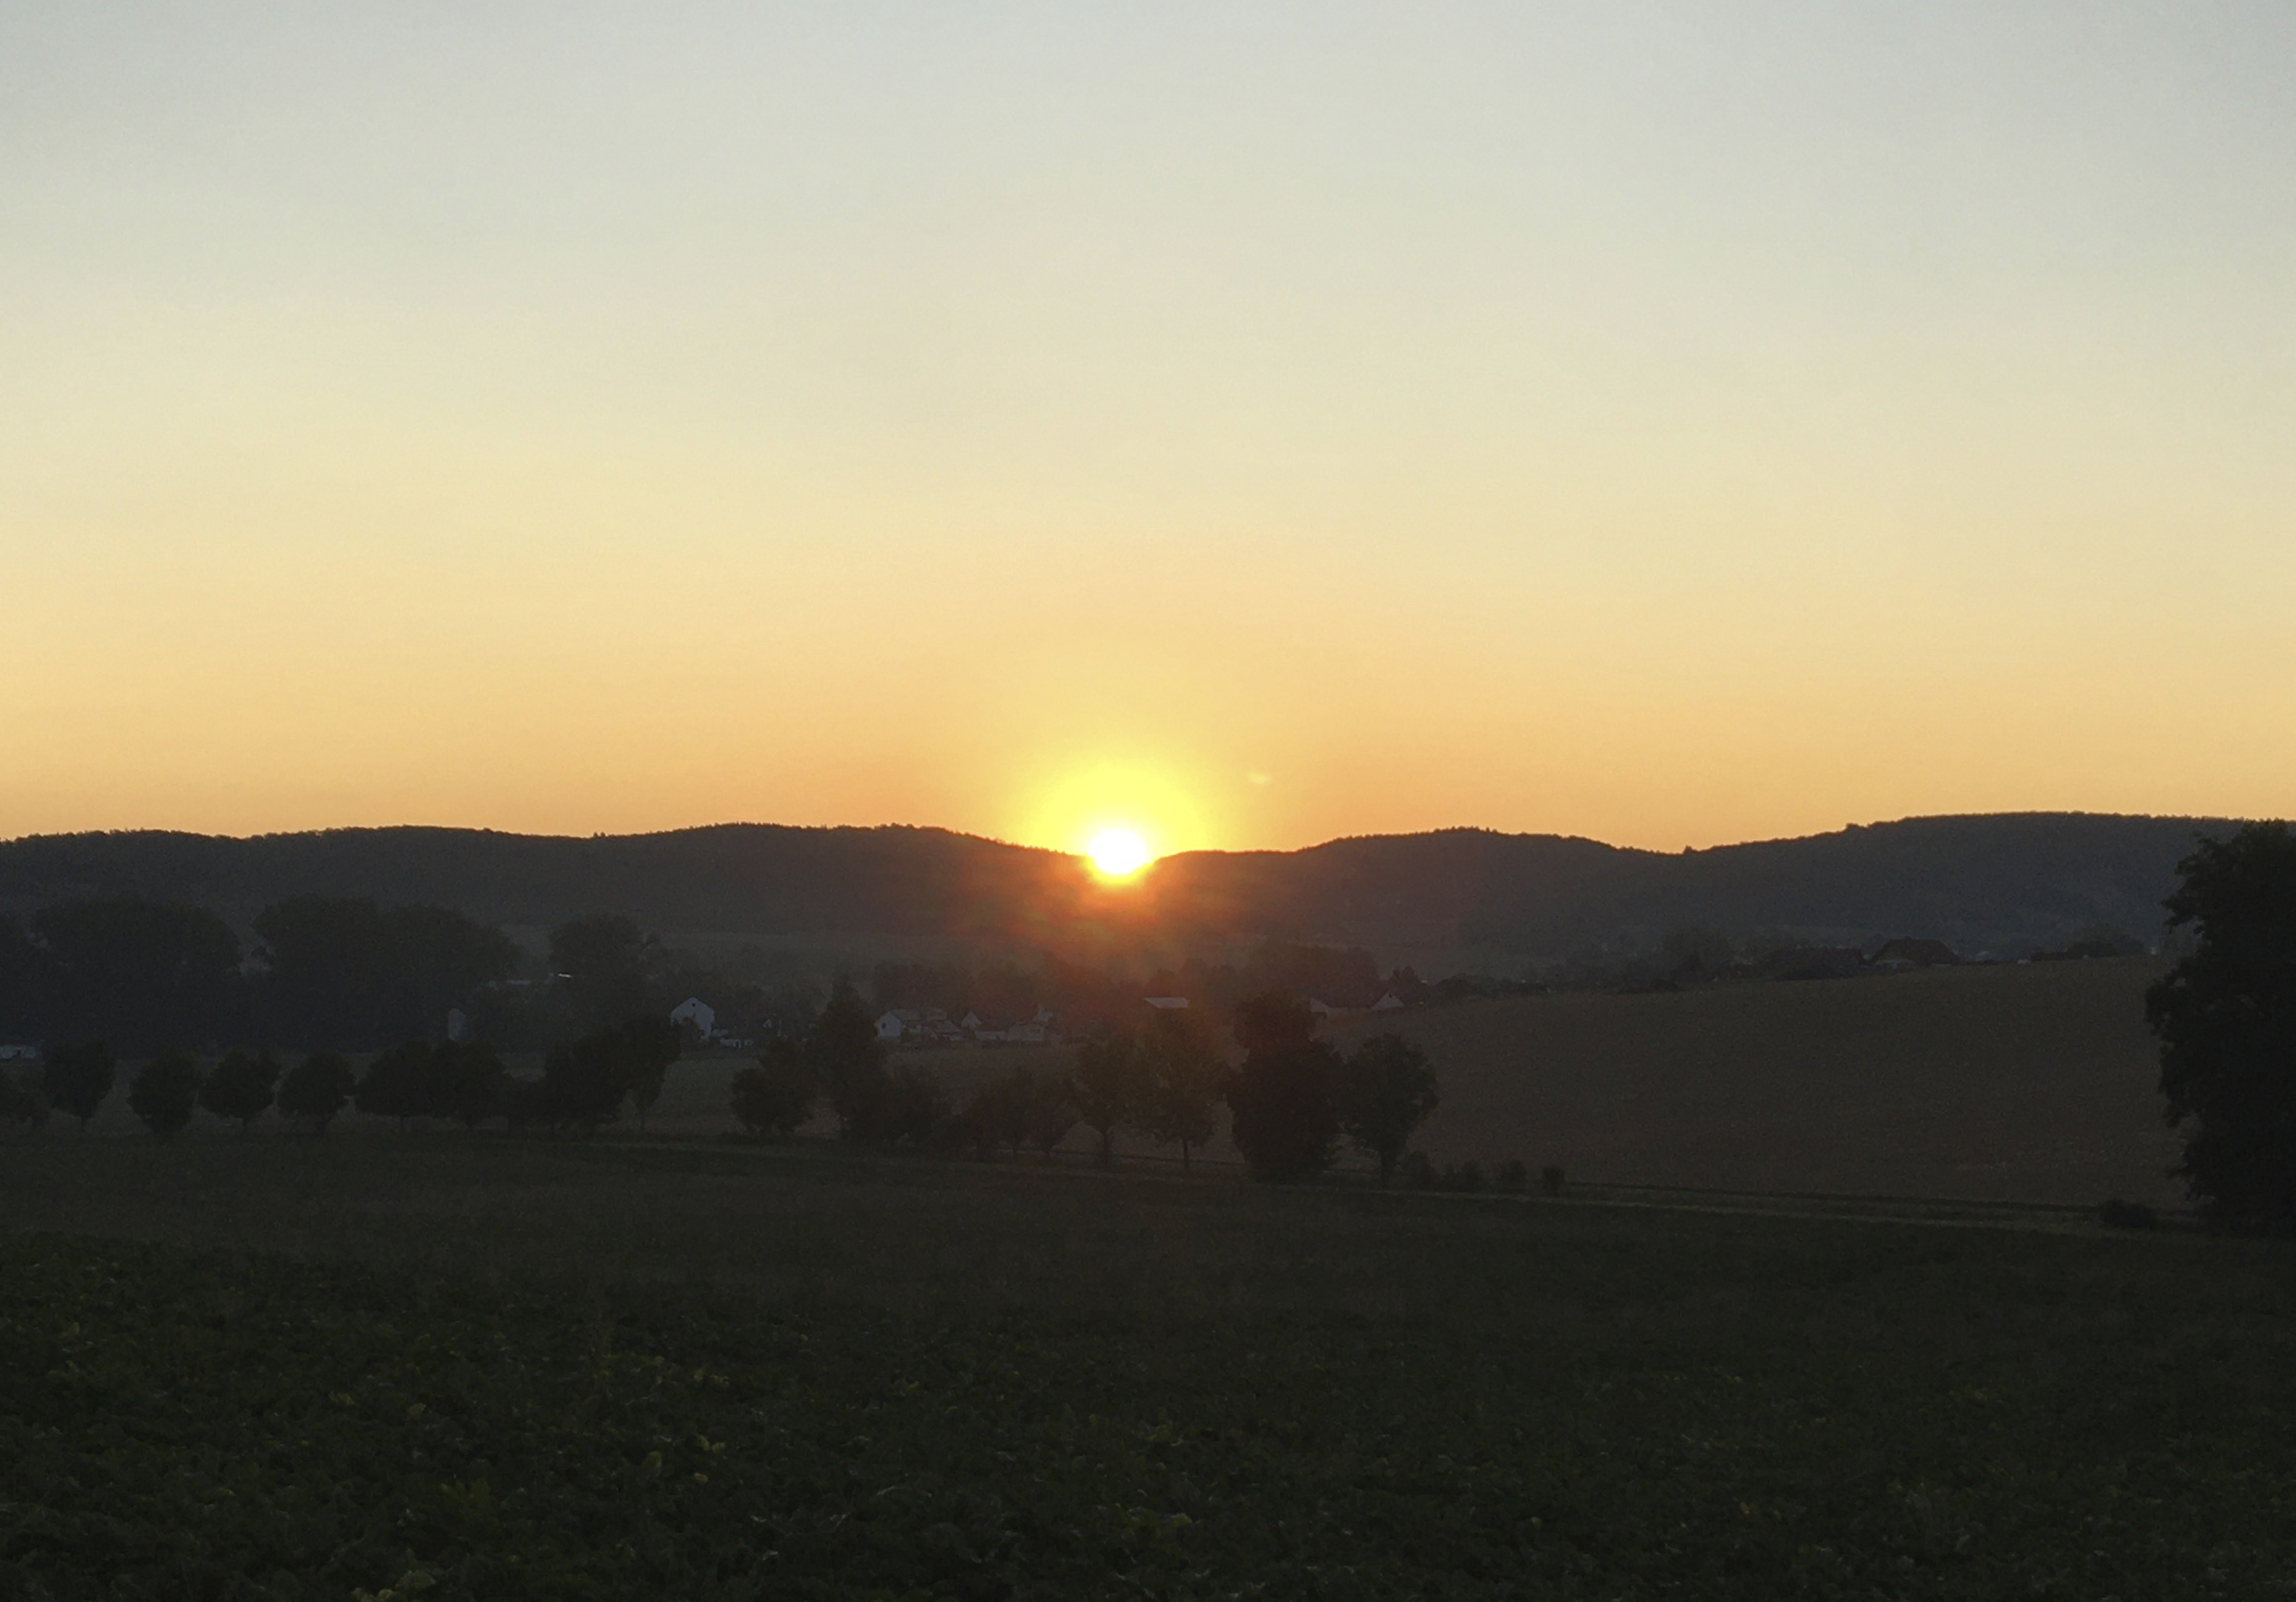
x=1251, y=427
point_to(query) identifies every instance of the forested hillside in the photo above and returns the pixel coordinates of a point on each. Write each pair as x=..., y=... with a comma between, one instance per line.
x=2004, y=884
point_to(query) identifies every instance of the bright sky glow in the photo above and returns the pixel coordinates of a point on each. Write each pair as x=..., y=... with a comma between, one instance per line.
x=1646, y=419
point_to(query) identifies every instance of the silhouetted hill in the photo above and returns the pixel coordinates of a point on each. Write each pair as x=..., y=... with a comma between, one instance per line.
x=2002, y=883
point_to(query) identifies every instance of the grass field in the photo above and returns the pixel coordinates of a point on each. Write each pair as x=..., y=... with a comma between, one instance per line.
x=613, y=1368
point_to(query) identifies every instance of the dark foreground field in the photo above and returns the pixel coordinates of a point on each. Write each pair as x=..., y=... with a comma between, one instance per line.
x=464, y=1368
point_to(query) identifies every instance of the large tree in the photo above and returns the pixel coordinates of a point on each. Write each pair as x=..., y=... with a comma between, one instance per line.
x=1283, y=1102
x=344, y=973
x=604, y=966
x=1386, y=1092
x=850, y=1061
x=240, y=1087
x=165, y=1091
x=315, y=1090
x=140, y=973
x=1182, y=1084
x=75, y=1078
x=2226, y=1018
x=1109, y=1083
x=777, y=1096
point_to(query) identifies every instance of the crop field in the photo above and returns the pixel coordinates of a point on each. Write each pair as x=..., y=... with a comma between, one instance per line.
x=473, y=1367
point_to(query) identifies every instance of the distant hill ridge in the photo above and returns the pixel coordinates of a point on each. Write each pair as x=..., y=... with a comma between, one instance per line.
x=2003, y=882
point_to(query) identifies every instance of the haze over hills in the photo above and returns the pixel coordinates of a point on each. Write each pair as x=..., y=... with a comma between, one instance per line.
x=2006, y=883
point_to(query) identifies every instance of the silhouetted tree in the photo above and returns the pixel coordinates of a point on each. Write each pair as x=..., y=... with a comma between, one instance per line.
x=1386, y=1092
x=851, y=1063
x=1184, y=1079
x=914, y=1110
x=586, y=1083
x=654, y=1043
x=240, y=1087
x=315, y=1090
x=75, y=1078
x=401, y=1084
x=777, y=1096
x=343, y=972
x=164, y=1092
x=1283, y=1102
x=467, y=1079
x=2226, y=1018
x=144, y=973
x=1109, y=1084
x=22, y=1107
x=606, y=962
x=997, y=1114
x=23, y=970
x=1051, y=1106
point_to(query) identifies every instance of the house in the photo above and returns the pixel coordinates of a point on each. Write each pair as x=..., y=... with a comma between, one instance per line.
x=1170, y=1004
x=1388, y=1003
x=698, y=1013
x=889, y=1027
x=19, y=1054
x=458, y=1024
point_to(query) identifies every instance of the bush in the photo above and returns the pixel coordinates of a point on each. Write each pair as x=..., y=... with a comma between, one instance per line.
x=164, y=1092
x=1463, y=1176
x=1550, y=1179
x=2119, y=1214
x=1418, y=1172
x=1514, y=1177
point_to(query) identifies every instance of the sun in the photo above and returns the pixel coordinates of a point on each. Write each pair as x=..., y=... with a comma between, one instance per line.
x=1118, y=853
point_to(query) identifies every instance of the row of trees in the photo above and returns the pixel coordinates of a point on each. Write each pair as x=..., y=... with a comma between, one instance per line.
x=1290, y=1102
x=583, y=1084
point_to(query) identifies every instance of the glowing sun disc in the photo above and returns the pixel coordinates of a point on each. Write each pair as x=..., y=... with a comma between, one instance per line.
x=1118, y=853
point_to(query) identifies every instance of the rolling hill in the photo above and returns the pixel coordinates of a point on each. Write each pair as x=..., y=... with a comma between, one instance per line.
x=2005, y=882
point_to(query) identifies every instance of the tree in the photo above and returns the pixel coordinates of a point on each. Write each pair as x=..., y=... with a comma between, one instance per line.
x=1051, y=1108
x=315, y=1090
x=1385, y=1093
x=777, y=1096
x=240, y=1087
x=586, y=1083
x=77, y=1078
x=997, y=1115
x=342, y=972
x=1109, y=1082
x=653, y=1044
x=851, y=1063
x=401, y=1084
x=166, y=1091
x=466, y=1082
x=20, y=1106
x=914, y=1111
x=1182, y=1084
x=1283, y=1102
x=606, y=962
x=2225, y=1016
x=145, y=974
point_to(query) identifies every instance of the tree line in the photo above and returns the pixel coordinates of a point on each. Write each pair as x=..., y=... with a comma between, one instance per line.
x=1292, y=1100
x=584, y=1084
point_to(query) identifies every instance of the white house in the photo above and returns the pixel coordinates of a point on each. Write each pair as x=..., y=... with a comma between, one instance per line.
x=1170, y=1004
x=697, y=1011
x=1386, y=1004
x=890, y=1027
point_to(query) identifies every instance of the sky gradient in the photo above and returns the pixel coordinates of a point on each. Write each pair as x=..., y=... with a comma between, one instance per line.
x=1669, y=423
